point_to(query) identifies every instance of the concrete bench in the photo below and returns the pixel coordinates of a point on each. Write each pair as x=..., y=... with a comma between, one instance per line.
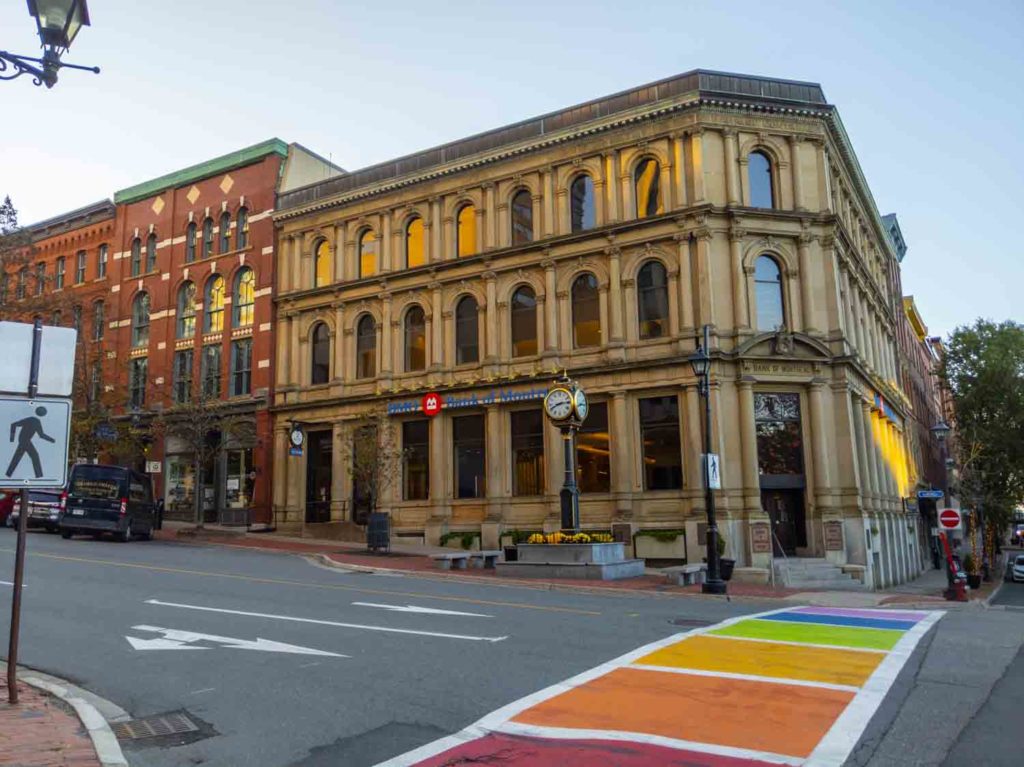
x=455, y=560
x=686, y=575
x=484, y=559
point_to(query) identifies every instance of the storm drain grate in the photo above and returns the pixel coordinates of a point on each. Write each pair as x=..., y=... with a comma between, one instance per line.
x=174, y=723
x=691, y=623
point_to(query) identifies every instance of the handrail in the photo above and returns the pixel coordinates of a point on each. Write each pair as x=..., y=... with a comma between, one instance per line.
x=783, y=550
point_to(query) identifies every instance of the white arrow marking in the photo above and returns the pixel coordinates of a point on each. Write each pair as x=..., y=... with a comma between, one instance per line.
x=179, y=640
x=414, y=609
x=327, y=623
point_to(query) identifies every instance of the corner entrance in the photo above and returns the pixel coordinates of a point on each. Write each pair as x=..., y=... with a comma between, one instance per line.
x=785, y=508
x=319, y=477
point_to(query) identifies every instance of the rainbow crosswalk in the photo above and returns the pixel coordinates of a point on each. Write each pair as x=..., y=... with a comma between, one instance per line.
x=795, y=686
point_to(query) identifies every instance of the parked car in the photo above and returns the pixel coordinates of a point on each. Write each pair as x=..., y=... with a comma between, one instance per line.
x=1015, y=570
x=43, y=510
x=6, y=507
x=109, y=499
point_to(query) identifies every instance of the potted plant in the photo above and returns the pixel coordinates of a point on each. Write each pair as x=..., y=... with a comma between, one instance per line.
x=725, y=565
x=973, y=574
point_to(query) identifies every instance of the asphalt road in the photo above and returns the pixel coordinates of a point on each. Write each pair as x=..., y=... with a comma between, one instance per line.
x=392, y=680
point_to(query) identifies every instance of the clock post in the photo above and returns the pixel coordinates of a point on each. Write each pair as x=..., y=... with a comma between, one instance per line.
x=566, y=405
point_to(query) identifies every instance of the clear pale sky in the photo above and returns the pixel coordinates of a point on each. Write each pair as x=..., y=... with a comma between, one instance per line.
x=931, y=93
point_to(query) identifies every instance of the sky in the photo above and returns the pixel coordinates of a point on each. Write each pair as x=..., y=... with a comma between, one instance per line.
x=931, y=93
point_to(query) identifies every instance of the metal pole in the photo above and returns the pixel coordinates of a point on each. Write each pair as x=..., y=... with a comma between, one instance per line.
x=19, y=556
x=946, y=504
x=714, y=583
x=570, y=495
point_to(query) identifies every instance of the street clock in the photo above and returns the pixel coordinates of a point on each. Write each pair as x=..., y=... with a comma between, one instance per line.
x=559, y=404
x=296, y=436
x=567, y=407
x=581, y=405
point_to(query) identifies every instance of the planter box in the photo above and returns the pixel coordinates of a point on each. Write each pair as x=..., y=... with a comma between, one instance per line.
x=578, y=561
x=647, y=547
x=569, y=553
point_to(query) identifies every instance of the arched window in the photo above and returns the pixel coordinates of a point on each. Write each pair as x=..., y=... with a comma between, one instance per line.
x=524, y=322
x=242, y=228
x=582, y=208
x=321, y=370
x=99, y=320
x=414, y=252
x=467, y=331
x=415, y=340
x=321, y=264
x=768, y=294
x=207, y=238
x=186, y=310
x=652, y=300
x=367, y=254
x=190, y=242
x=136, y=257
x=225, y=232
x=140, y=320
x=586, y=312
x=646, y=185
x=759, y=172
x=214, y=305
x=243, y=299
x=151, y=252
x=465, y=237
x=522, y=217
x=366, y=347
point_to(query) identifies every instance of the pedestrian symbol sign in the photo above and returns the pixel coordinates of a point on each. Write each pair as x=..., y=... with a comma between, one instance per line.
x=34, y=441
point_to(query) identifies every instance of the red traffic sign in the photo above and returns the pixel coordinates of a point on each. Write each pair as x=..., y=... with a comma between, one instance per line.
x=432, y=403
x=949, y=519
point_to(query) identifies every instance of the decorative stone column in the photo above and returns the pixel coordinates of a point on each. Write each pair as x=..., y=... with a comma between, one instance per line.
x=280, y=472
x=705, y=294
x=732, y=183
x=437, y=336
x=673, y=302
x=685, y=282
x=492, y=317
x=538, y=215
x=340, y=362
x=621, y=463
x=436, y=230
x=798, y=182
x=615, y=304
x=550, y=309
x=495, y=437
x=740, y=318
x=338, y=473
x=614, y=212
x=820, y=440
x=697, y=163
x=548, y=224
x=388, y=243
x=339, y=253
x=488, y=238
x=806, y=282
x=294, y=362
x=385, y=336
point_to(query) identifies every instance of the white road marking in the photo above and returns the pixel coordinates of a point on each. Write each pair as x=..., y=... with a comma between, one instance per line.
x=386, y=629
x=423, y=610
x=8, y=583
x=205, y=689
x=174, y=639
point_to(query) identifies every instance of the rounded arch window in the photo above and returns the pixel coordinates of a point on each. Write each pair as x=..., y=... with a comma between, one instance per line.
x=321, y=264
x=415, y=339
x=242, y=228
x=136, y=257
x=207, y=237
x=366, y=347
x=140, y=320
x=214, y=305
x=225, y=232
x=243, y=300
x=522, y=217
x=647, y=188
x=759, y=174
x=586, y=312
x=151, y=252
x=415, y=252
x=186, y=313
x=465, y=236
x=320, y=371
x=652, y=300
x=768, y=294
x=467, y=331
x=367, y=253
x=524, y=322
x=190, y=242
x=582, y=203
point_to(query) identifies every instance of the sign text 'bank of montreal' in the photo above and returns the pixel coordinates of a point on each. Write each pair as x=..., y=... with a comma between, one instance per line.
x=494, y=397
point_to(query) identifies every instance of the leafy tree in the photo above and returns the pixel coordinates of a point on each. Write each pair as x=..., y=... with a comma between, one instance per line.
x=984, y=368
x=369, y=447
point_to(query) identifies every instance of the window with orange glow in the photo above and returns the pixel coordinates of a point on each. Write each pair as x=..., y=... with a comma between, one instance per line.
x=414, y=251
x=367, y=254
x=646, y=181
x=465, y=240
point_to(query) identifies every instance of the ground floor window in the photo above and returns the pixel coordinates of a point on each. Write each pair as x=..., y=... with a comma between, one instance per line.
x=659, y=433
x=240, y=479
x=469, y=453
x=181, y=482
x=527, y=429
x=416, y=460
x=593, y=451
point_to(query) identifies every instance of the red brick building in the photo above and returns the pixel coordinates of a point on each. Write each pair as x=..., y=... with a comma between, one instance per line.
x=190, y=284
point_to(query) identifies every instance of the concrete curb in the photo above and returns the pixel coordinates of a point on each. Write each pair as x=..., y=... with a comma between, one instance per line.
x=88, y=706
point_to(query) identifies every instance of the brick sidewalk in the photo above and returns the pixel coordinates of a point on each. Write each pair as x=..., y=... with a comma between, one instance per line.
x=42, y=732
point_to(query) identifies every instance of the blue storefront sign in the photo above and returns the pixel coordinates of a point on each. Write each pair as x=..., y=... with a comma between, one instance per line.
x=476, y=399
x=929, y=493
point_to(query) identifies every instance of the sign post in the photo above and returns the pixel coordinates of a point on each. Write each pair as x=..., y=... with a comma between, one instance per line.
x=37, y=443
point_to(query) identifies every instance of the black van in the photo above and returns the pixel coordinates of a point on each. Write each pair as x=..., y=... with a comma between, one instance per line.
x=109, y=499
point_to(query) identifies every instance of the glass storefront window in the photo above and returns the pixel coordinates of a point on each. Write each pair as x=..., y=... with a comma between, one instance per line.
x=593, y=451
x=659, y=432
x=779, y=440
x=240, y=479
x=470, y=458
x=527, y=452
x=416, y=460
x=181, y=482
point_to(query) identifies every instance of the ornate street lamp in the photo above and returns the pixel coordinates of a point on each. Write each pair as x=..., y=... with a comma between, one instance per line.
x=701, y=364
x=58, y=22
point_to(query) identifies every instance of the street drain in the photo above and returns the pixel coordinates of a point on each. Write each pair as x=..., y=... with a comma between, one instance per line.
x=690, y=623
x=174, y=723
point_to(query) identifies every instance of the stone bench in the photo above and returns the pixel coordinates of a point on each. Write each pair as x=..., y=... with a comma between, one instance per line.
x=686, y=575
x=453, y=561
x=484, y=559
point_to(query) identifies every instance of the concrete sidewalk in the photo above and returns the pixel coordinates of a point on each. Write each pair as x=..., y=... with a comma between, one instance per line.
x=42, y=731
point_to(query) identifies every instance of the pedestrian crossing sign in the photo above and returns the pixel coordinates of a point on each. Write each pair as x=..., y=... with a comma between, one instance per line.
x=34, y=441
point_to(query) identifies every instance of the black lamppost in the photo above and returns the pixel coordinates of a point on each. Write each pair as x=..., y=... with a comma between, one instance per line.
x=58, y=22
x=941, y=432
x=701, y=363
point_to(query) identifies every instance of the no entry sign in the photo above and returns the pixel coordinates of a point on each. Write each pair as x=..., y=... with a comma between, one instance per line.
x=949, y=519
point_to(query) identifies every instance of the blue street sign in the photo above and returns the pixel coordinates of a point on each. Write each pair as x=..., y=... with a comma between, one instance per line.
x=929, y=493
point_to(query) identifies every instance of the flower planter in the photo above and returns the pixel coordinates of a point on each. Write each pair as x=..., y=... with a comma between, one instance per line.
x=578, y=561
x=649, y=547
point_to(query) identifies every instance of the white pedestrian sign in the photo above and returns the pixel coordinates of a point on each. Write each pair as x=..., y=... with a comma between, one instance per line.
x=34, y=441
x=714, y=473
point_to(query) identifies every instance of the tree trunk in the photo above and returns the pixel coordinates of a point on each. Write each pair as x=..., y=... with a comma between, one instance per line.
x=198, y=493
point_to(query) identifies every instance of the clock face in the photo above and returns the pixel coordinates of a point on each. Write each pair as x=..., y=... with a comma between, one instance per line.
x=296, y=437
x=558, y=404
x=582, y=406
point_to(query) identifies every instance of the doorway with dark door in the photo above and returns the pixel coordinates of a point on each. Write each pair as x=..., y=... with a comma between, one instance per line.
x=780, y=464
x=319, y=476
x=785, y=509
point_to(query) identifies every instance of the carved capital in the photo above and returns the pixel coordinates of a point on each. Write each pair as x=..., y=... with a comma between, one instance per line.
x=489, y=275
x=805, y=239
x=547, y=263
x=737, y=235
x=729, y=132
x=487, y=185
x=446, y=315
x=672, y=273
x=434, y=285
x=704, y=235
x=562, y=294
x=628, y=283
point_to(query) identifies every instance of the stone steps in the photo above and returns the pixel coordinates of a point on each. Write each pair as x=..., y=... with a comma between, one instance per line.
x=814, y=574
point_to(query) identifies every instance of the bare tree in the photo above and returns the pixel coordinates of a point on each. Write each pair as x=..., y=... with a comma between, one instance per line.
x=26, y=291
x=370, y=451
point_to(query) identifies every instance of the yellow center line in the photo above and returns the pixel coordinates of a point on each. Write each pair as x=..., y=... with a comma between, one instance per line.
x=332, y=586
